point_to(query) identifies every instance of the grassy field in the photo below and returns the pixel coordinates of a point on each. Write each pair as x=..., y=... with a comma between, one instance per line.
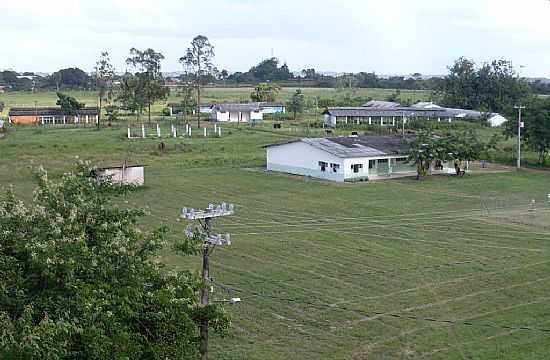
x=13, y=99
x=396, y=269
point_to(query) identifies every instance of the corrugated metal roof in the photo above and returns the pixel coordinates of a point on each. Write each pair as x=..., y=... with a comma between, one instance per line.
x=48, y=111
x=237, y=107
x=387, y=112
x=358, y=146
x=381, y=104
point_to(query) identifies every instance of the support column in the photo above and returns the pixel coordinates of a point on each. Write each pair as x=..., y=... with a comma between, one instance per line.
x=393, y=121
x=370, y=120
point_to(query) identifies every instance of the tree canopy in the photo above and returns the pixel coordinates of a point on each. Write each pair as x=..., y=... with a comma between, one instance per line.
x=265, y=92
x=494, y=87
x=296, y=103
x=79, y=279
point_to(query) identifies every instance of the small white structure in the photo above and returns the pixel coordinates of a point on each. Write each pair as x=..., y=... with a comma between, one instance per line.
x=237, y=113
x=351, y=158
x=124, y=175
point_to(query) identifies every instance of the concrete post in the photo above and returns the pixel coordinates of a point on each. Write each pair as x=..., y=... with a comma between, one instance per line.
x=129, y=133
x=143, y=131
x=205, y=134
x=158, y=130
x=219, y=131
x=370, y=120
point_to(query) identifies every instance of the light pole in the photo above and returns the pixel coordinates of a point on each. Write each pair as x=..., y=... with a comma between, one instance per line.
x=205, y=218
x=520, y=125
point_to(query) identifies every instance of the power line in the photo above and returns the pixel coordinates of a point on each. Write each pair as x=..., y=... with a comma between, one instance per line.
x=378, y=314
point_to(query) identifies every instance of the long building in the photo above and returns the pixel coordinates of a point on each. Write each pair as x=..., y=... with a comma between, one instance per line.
x=51, y=116
x=385, y=113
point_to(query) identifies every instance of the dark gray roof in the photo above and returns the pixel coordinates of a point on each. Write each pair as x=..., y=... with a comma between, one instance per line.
x=381, y=104
x=390, y=112
x=237, y=107
x=359, y=146
x=48, y=111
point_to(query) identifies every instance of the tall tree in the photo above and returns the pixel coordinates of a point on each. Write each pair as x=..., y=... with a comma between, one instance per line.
x=104, y=77
x=296, y=103
x=198, y=60
x=71, y=78
x=132, y=94
x=265, y=92
x=147, y=64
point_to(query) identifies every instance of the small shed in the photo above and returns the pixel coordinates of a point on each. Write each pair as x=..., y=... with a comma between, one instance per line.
x=123, y=175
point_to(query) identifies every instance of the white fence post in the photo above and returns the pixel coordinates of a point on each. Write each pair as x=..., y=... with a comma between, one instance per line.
x=219, y=131
x=205, y=134
x=129, y=133
x=158, y=130
x=189, y=131
x=143, y=131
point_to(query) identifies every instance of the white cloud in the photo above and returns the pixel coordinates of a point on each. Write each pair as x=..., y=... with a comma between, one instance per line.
x=388, y=36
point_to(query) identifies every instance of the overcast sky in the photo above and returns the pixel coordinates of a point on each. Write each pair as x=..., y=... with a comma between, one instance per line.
x=386, y=36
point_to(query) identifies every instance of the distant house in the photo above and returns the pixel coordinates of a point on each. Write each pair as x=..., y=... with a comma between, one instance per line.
x=387, y=113
x=125, y=175
x=272, y=108
x=2, y=89
x=51, y=116
x=251, y=112
x=347, y=158
x=177, y=109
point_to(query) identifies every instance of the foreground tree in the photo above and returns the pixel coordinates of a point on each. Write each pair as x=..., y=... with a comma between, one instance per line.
x=296, y=103
x=149, y=76
x=79, y=279
x=104, y=77
x=198, y=61
x=265, y=92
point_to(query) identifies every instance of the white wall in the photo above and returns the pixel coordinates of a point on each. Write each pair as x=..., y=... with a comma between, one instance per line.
x=302, y=159
x=131, y=176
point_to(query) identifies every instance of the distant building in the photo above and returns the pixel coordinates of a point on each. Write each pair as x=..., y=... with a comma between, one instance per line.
x=251, y=112
x=272, y=108
x=386, y=113
x=177, y=109
x=125, y=175
x=51, y=116
x=2, y=89
x=347, y=158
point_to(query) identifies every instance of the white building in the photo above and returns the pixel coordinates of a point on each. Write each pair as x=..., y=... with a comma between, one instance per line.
x=351, y=158
x=237, y=113
x=126, y=175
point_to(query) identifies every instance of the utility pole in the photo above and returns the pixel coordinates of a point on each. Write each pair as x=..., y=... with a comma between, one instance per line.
x=520, y=125
x=210, y=241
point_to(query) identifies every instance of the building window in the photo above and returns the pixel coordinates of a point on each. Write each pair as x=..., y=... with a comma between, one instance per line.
x=382, y=161
x=48, y=119
x=323, y=165
x=372, y=164
x=334, y=167
x=356, y=168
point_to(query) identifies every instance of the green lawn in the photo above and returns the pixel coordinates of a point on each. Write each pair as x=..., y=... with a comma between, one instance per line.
x=397, y=269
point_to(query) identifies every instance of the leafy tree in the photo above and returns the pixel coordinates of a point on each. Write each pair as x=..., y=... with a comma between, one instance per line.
x=224, y=74
x=296, y=103
x=198, y=61
x=79, y=279
x=495, y=86
x=104, y=76
x=149, y=76
x=265, y=92
x=70, y=78
x=69, y=105
x=424, y=150
x=1, y=106
x=188, y=101
x=132, y=95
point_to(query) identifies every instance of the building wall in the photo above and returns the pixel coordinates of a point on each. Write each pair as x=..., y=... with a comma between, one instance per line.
x=23, y=120
x=302, y=159
x=130, y=176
